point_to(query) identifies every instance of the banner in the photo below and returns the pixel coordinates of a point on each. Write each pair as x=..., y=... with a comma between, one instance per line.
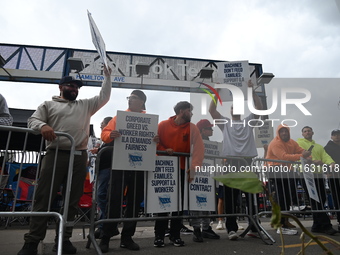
x=162, y=186
x=97, y=39
x=135, y=148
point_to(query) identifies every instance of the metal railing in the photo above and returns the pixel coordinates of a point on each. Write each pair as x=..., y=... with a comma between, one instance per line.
x=247, y=212
x=25, y=141
x=285, y=181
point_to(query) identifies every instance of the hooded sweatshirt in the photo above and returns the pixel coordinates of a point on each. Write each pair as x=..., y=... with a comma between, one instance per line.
x=281, y=150
x=180, y=138
x=71, y=117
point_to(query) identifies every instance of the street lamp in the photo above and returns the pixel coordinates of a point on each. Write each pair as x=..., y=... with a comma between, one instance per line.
x=142, y=69
x=76, y=64
x=265, y=78
x=206, y=72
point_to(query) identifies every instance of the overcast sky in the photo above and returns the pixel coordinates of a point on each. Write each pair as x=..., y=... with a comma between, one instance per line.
x=297, y=41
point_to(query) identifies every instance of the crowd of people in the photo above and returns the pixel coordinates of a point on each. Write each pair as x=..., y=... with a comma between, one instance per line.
x=284, y=148
x=177, y=134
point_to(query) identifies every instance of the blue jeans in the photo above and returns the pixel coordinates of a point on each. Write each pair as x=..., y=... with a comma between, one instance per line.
x=102, y=186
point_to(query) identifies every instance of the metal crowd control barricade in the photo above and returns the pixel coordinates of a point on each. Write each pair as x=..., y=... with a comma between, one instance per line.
x=18, y=144
x=243, y=164
x=285, y=181
x=146, y=217
x=95, y=221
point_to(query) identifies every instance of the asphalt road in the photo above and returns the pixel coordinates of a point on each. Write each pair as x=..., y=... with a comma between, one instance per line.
x=11, y=241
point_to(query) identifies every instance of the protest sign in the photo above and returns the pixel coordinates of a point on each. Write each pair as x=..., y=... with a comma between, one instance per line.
x=97, y=39
x=162, y=186
x=264, y=134
x=232, y=73
x=212, y=148
x=135, y=148
x=199, y=194
x=92, y=157
x=309, y=180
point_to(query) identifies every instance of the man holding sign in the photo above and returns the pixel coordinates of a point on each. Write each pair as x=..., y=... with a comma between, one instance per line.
x=238, y=141
x=319, y=159
x=178, y=134
x=134, y=180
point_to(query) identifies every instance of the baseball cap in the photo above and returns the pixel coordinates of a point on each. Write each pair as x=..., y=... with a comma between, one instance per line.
x=204, y=123
x=335, y=132
x=70, y=79
x=141, y=95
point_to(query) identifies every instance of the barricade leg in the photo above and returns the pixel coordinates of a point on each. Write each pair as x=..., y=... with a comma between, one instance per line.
x=321, y=220
x=334, y=184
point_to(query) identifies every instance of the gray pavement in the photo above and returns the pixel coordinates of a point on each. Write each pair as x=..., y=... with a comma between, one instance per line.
x=11, y=241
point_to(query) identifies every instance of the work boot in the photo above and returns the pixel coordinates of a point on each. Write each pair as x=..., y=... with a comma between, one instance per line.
x=104, y=244
x=68, y=247
x=209, y=233
x=98, y=234
x=29, y=249
x=197, y=235
x=128, y=243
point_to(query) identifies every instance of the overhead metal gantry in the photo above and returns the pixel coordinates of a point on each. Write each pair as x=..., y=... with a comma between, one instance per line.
x=39, y=64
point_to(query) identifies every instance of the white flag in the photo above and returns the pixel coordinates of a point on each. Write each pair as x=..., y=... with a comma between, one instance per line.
x=97, y=39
